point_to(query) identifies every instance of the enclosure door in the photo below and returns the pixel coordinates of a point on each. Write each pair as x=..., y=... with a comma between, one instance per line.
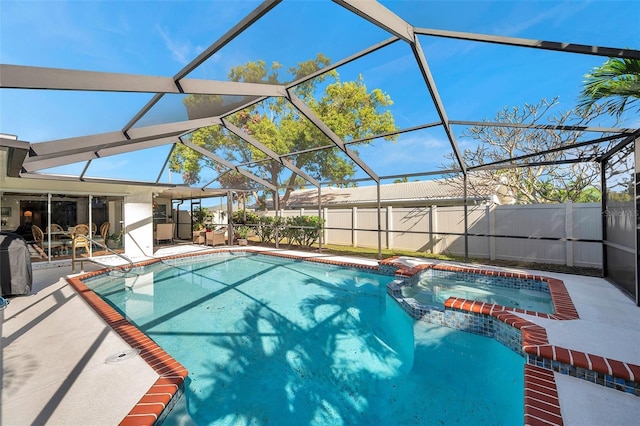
x=621, y=230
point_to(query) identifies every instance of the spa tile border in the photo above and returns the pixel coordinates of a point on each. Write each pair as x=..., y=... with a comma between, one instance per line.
x=168, y=387
x=609, y=372
x=564, y=307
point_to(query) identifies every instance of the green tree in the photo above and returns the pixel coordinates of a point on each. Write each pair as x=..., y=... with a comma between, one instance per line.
x=616, y=83
x=348, y=108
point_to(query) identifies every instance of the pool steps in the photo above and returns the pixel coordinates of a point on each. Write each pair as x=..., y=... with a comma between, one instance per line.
x=541, y=404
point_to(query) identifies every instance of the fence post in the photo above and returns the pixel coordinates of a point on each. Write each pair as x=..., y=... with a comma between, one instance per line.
x=354, y=225
x=325, y=213
x=491, y=217
x=390, y=235
x=568, y=230
x=433, y=227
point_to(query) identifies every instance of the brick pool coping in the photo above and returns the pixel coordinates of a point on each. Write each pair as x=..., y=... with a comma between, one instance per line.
x=171, y=373
x=541, y=403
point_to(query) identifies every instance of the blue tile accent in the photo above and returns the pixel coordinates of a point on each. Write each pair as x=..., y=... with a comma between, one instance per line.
x=607, y=380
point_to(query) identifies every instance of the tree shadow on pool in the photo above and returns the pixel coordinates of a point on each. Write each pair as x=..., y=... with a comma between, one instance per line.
x=281, y=372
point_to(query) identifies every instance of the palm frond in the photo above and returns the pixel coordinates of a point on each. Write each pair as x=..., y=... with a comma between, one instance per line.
x=616, y=82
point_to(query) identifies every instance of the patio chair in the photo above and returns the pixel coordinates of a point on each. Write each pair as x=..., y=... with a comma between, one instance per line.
x=217, y=237
x=44, y=245
x=79, y=239
x=101, y=239
x=164, y=231
x=199, y=237
x=54, y=228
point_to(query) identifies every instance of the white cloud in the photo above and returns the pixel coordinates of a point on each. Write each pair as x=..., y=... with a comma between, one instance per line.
x=183, y=52
x=555, y=15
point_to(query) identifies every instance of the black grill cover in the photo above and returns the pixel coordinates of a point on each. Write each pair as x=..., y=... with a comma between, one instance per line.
x=15, y=265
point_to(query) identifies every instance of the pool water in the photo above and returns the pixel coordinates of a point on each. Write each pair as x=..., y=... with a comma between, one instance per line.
x=272, y=340
x=435, y=290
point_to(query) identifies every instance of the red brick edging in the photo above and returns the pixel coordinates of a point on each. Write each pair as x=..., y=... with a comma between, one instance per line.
x=541, y=404
x=172, y=374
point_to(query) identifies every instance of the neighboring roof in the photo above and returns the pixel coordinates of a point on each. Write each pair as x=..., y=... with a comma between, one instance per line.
x=188, y=193
x=438, y=191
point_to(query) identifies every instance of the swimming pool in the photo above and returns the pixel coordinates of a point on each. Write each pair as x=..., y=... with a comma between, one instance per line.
x=272, y=340
x=435, y=287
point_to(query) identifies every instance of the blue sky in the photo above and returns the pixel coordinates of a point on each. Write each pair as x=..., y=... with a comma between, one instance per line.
x=160, y=37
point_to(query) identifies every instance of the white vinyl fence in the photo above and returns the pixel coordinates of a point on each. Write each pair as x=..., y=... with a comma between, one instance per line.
x=542, y=233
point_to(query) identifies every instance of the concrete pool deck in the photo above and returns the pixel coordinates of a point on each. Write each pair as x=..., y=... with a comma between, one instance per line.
x=55, y=352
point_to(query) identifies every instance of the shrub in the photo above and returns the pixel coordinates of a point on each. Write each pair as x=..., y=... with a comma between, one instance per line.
x=242, y=231
x=244, y=217
x=304, y=230
x=265, y=229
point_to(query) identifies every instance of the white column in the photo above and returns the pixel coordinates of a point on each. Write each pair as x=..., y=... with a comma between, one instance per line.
x=138, y=227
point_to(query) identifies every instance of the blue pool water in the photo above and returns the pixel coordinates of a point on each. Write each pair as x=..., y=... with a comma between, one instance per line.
x=274, y=341
x=434, y=289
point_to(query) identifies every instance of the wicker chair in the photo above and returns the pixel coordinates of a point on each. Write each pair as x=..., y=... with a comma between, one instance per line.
x=44, y=245
x=54, y=228
x=217, y=237
x=101, y=240
x=164, y=231
x=79, y=239
x=199, y=237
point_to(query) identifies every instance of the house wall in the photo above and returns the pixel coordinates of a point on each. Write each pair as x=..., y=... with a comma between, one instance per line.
x=137, y=206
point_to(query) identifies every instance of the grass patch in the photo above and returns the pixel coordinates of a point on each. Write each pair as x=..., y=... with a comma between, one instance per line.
x=372, y=253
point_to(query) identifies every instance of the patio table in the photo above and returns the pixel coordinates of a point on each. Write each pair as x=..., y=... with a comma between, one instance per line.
x=63, y=237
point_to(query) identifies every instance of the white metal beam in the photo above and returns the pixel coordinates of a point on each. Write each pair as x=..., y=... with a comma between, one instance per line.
x=40, y=162
x=33, y=164
x=437, y=101
x=537, y=44
x=27, y=77
x=379, y=15
x=106, y=140
x=544, y=126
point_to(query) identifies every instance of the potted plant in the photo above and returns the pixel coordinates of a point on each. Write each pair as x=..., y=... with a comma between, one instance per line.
x=113, y=240
x=242, y=232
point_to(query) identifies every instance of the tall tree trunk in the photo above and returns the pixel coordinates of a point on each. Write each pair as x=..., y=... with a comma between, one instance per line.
x=288, y=190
